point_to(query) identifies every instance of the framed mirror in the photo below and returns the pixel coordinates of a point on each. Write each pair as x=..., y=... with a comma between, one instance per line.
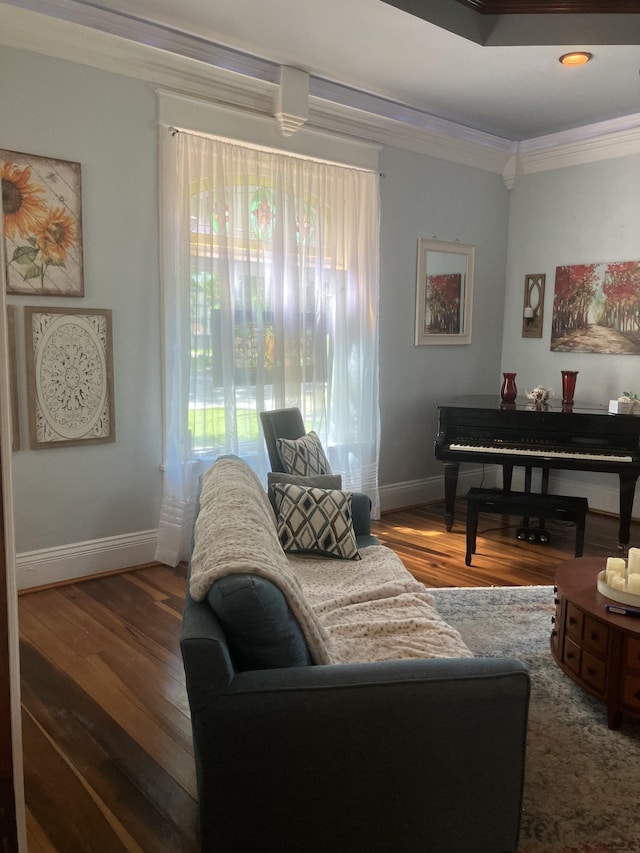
x=444, y=292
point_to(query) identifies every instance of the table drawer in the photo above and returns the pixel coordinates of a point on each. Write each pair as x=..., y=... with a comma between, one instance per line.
x=630, y=692
x=593, y=671
x=572, y=654
x=574, y=621
x=595, y=635
x=632, y=653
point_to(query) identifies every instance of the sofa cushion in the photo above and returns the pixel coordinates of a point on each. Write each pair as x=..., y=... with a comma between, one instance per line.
x=318, y=521
x=261, y=631
x=304, y=455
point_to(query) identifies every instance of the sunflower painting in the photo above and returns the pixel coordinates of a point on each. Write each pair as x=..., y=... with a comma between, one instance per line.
x=41, y=217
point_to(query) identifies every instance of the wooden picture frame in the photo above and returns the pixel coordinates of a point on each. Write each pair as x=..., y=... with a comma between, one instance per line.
x=69, y=376
x=13, y=377
x=42, y=225
x=444, y=292
x=533, y=308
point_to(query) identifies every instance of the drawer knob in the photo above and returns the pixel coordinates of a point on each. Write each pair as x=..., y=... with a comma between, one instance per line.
x=591, y=671
x=595, y=636
x=572, y=621
x=569, y=655
x=553, y=620
x=556, y=601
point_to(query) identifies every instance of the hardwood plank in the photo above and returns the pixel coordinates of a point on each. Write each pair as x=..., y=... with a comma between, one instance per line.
x=105, y=688
x=131, y=635
x=121, y=774
x=436, y=556
x=49, y=782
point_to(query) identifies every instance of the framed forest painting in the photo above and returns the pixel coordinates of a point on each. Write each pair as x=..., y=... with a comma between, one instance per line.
x=596, y=308
x=42, y=220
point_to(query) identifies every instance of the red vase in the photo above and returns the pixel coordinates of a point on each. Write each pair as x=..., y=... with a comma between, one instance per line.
x=568, y=386
x=509, y=392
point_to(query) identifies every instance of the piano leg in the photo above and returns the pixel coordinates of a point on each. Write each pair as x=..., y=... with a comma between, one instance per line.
x=627, y=494
x=450, y=491
x=507, y=477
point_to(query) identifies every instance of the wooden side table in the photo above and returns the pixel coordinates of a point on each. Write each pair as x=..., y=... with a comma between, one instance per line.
x=598, y=650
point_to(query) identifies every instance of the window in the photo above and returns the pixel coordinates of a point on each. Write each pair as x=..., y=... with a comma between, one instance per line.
x=271, y=297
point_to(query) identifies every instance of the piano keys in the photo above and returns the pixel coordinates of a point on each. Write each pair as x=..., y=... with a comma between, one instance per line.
x=580, y=438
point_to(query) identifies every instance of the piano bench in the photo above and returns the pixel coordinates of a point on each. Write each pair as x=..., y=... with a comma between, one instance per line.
x=525, y=504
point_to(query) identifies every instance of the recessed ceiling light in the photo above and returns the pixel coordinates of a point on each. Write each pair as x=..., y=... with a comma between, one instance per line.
x=576, y=58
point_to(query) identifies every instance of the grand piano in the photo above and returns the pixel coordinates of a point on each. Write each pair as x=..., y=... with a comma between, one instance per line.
x=578, y=437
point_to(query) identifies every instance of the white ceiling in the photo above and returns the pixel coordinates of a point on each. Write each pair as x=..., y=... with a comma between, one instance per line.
x=514, y=92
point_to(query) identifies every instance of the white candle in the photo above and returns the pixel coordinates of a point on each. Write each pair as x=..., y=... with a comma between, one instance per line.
x=616, y=566
x=634, y=561
x=633, y=584
x=618, y=583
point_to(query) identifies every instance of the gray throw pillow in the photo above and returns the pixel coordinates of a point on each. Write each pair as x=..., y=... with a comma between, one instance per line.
x=304, y=455
x=315, y=521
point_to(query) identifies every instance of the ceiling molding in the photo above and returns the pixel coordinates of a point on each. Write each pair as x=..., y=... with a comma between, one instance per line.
x=546, y=7
x=507, y=23
x=332, y=107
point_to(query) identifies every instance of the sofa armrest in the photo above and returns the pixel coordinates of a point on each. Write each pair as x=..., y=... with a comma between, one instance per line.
x=361, y=517
x=321, y=758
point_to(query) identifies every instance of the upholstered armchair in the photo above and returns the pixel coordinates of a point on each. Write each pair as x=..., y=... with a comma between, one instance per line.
x=280, y=423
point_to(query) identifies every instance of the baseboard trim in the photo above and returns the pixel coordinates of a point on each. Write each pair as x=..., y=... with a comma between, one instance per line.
x=83, y=559
x=429, y=489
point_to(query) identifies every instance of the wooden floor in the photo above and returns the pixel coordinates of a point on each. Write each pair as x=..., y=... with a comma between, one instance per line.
x=107, y=738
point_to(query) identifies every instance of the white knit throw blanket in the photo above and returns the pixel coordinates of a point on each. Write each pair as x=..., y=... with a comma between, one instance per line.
x=349, y=611
x=235, y=533
x=374, y=609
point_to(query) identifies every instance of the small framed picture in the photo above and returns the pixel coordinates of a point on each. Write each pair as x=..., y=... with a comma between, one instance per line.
x=444, y=293
x=69, y=376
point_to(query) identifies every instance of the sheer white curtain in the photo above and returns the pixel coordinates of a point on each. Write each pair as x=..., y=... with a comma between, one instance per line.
x=270, y=299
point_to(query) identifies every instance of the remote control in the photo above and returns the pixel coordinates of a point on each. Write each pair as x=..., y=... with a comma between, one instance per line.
x=622, y=609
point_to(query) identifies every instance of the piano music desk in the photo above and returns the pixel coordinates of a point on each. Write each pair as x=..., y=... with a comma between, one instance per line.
x=525, y=504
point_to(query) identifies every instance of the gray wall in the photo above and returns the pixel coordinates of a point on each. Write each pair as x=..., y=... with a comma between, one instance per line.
x=425, y=197
x=105, y=122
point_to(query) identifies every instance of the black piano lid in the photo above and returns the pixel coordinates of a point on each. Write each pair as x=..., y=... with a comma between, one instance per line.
x=486, y=415
x=523, y=404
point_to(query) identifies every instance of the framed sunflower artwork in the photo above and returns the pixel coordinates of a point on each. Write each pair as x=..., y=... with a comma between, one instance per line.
x=42, y=225
x=69, y=376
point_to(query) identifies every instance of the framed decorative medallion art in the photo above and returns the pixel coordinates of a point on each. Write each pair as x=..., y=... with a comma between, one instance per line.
x=42, y=218
x=69, y=376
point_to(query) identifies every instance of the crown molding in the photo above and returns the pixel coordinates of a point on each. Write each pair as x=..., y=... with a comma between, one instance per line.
x=602, y=141
x=189, y=65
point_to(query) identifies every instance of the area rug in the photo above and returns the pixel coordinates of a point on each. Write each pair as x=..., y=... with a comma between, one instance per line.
x=582, y=780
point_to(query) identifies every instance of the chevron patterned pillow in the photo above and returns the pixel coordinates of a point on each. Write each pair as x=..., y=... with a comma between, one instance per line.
x=304, y=456
x=317, y=521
